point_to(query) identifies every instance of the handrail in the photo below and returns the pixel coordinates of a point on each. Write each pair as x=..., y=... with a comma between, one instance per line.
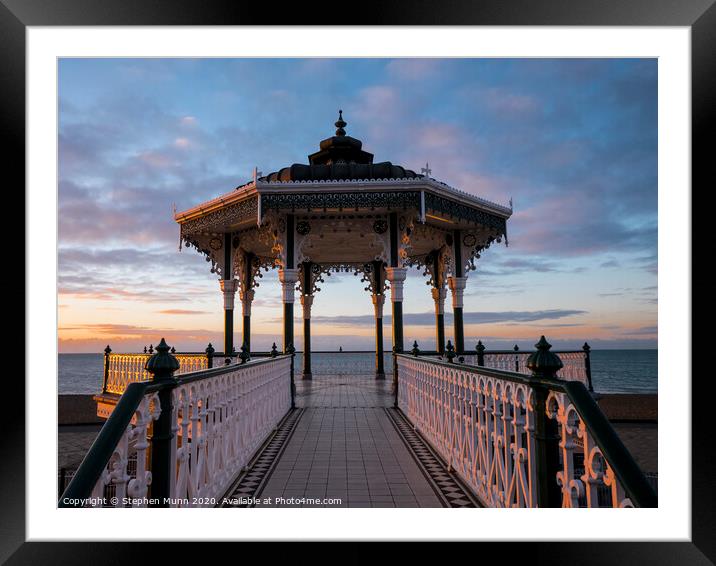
x=98, y=456
x=615, y=452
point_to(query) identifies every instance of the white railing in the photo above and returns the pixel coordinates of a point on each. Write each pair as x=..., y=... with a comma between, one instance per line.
x=574, y=369
x=123, y=369
x=482, y=423
x=220, y=418
x=221, y=422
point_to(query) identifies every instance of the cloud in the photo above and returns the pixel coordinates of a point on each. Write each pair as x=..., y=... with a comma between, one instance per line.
x=573, y=141
x=416, y=69
x=428, y=318
x=182, y=311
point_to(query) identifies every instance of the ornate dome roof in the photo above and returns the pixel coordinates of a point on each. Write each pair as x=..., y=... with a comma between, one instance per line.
x=340, y=157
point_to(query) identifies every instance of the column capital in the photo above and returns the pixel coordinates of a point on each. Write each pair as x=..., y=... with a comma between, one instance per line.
x=378, y=302
x=439, y=294
x=396, y=276
x=396, y=273
x=228, y=287
x=286, y=275
x=246, y=298
x=306, y=302
x=288, y=279
x=457, y=287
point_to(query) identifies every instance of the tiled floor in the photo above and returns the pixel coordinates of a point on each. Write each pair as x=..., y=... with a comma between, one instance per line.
x=346, y=448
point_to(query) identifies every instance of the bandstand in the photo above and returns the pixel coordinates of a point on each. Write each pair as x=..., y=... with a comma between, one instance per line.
x=343, y=212
x=454, y=428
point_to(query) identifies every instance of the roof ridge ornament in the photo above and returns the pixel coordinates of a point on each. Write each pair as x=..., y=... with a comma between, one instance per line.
x=340, y=124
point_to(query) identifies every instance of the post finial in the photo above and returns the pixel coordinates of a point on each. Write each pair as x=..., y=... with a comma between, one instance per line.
x=544, y=363
x=340, y=124
x=586, y=347
x=162, y=364
x=274, y=351
x=415, y=351
x=244, y=356
x=450, y=352
x=108, y=350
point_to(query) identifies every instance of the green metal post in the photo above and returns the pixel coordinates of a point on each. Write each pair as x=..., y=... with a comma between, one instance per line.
x=480, y=353
x=544, y=366
x=107, y=352
x=162, y=366
x=210, y=356
x=587, y=365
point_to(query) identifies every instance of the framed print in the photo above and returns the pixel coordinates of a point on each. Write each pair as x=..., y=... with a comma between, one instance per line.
x=328, y=281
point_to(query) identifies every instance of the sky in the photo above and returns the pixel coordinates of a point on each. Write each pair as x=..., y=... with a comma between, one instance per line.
x=573, y=143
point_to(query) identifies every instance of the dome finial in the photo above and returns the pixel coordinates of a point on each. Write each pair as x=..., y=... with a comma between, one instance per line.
x=340, y=124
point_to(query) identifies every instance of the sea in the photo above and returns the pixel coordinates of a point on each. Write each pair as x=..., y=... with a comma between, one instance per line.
x=613, y=371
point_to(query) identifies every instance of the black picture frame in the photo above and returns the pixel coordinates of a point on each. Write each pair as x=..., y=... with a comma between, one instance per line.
x=699, y=15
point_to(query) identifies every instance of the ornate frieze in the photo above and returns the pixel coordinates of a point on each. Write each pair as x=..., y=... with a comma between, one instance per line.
x=220, y=219
x=341, y=200
x=471, y=214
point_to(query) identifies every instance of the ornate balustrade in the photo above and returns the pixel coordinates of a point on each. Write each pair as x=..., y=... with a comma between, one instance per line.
x=217, y=417
x=575, y=363
x=123, y=369
x=520, y=441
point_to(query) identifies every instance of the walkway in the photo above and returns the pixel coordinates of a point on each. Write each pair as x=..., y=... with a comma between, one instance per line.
x=345, y=446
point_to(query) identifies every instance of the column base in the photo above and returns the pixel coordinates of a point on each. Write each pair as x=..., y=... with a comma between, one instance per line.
x=307, y=376
x=379, y=375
